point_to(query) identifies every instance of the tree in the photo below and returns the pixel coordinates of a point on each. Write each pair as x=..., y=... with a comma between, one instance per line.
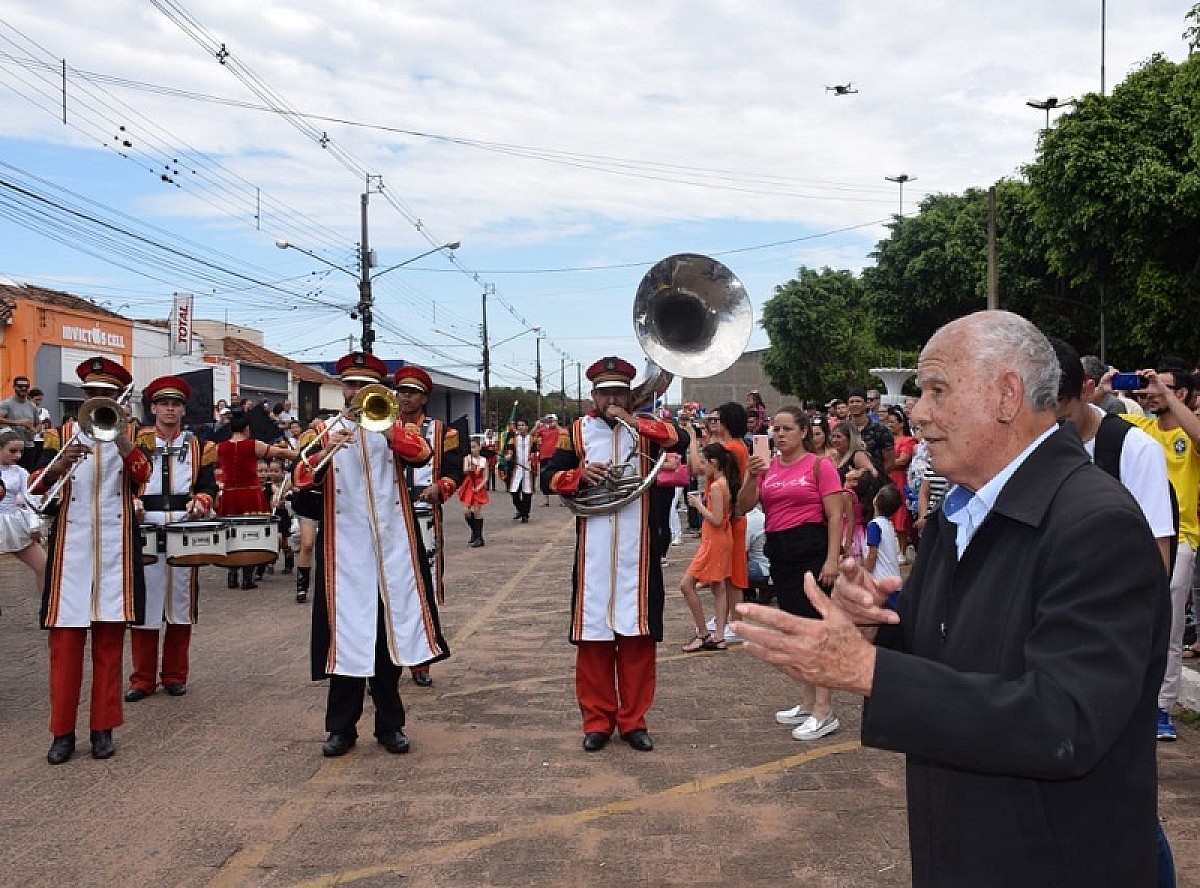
x=822, y=338
x=1118, y=199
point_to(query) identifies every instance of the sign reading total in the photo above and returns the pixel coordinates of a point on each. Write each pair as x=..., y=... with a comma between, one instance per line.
x=181, y=324
x=94, y=336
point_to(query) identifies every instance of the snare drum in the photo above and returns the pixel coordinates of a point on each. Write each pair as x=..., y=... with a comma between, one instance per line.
x=250, y=540
x=194, y=543
x=153, y=542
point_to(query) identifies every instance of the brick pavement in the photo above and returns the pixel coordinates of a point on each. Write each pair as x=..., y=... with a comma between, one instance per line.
x=226, y=785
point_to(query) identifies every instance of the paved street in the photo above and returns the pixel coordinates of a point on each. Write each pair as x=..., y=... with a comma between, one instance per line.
x=226, y=786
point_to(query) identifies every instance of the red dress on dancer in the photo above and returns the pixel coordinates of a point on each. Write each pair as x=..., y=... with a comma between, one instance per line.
x=241, y=493
x=476, y=474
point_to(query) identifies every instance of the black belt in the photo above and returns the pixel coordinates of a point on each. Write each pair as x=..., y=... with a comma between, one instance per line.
x=157, y=502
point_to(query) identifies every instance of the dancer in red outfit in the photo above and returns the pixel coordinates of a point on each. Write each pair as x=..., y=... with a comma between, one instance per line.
x=473, y=493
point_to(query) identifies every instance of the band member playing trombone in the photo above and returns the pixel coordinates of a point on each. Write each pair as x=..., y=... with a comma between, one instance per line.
x=94, y=573
x=181, y=487
x=374, y=609
x=617, y=596
x=432, y=484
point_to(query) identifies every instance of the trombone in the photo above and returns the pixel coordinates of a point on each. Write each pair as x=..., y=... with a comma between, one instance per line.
x=100, y=419
x=374, y=407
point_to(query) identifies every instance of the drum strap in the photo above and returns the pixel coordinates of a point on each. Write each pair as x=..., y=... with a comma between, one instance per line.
x=159, y=503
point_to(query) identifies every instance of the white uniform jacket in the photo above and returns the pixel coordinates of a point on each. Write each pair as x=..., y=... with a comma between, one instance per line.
x=180, y=469
x=94, y=569
x=369, y=551
x=520, y=470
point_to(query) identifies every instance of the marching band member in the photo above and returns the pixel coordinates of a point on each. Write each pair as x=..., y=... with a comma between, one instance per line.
x=432, y=484
x=94, y=575
x=617, y=597
x=374, y=608
x=520, y=456
x=181, y=487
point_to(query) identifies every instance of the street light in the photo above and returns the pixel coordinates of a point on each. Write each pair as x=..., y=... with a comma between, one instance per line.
x=1049, y=104
x=365, y=278
x=900, y=180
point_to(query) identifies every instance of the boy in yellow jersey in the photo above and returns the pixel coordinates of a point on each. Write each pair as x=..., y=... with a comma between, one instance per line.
x=1172, y=424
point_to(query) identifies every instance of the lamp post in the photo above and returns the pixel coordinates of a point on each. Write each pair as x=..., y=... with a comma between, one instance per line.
x=900, y=180
x=537, y=377
x=366, y=300
x=1048, y=105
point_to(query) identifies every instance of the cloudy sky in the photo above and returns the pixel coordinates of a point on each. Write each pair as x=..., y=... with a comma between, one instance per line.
x=567, y=146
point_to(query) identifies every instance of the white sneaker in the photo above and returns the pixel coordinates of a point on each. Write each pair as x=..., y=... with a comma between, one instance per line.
x=797, y=715
x=812, y=729
x=664, y=563
x=711, y=625
x=732, y=637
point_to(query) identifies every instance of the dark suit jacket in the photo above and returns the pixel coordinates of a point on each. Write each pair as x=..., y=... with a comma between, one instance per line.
x=1022, y=684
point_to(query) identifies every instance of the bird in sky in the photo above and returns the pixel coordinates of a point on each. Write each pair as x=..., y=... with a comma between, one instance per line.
x=844, y=89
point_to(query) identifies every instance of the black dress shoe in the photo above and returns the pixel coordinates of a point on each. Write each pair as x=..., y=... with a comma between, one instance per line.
x=594, y=741
x=175, y=690
x=232, y=580
x=423, y=678
x=337, y=744
x=102, y=744
x=517, y=517
x=301, y=597
x=134, y=694
x=394, y=741
x=249, y=584
x=639, y=740
x=61, y=749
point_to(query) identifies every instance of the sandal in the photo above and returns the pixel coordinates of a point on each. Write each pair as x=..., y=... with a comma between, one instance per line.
x=712, y=644
x=698, y=643
x=1189, y=652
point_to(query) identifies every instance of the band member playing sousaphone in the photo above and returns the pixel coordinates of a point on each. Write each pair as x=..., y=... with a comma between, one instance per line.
x=94, y=577
x=617, y=585
x=432, y=484
x=181, y=487
x=374, y=608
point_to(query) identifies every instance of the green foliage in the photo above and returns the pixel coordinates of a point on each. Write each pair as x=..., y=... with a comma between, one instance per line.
x=822, y=339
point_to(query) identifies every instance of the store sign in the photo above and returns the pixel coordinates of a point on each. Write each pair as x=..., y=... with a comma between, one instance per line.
x=93, y=336
x=181, y=324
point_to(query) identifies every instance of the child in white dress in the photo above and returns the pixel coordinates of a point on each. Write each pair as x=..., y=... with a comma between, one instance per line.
x=20, y=527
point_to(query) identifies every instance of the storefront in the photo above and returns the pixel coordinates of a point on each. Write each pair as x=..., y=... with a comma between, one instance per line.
x=45, y=334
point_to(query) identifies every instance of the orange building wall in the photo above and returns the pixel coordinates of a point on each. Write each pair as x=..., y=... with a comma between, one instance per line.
x=35, y=324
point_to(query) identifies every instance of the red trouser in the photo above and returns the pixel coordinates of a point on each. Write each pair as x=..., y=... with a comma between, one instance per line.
x=66, y=676
x=614, y=683
x=174, y=656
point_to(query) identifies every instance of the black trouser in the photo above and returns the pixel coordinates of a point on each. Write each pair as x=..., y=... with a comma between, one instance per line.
x=345, y=703
x=522, y=502
x=793, y=552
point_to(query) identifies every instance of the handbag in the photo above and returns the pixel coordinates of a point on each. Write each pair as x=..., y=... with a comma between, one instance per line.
x=680, y=476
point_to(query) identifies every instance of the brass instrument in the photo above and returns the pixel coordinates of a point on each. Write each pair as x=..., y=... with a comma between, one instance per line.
x=692, y=318
x=375, y=409
x=99, y=418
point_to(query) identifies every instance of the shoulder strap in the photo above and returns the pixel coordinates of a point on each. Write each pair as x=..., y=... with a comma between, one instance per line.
x=1110, y=439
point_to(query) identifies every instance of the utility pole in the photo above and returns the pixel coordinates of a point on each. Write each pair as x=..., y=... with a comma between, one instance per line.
x=562, y=386
x=579, y=388
x=537, y=379
x=487, y=359
x=364, y=281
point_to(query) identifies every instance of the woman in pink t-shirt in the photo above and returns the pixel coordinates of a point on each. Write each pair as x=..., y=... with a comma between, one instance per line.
x=801, y=496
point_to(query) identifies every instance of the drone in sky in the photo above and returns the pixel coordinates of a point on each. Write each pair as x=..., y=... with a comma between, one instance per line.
x=844, y=89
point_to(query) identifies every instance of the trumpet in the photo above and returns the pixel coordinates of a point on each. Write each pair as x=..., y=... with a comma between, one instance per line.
x=100, y=419
x=374, y=408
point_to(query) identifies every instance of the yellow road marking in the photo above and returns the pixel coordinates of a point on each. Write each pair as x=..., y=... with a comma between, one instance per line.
x=564, y=822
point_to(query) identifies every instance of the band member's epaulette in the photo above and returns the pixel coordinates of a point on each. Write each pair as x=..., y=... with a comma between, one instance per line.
x=208, y=453
x=147, y=439
x=449, y=439
x=564, y=439
x=51, y=440
x=306, y=438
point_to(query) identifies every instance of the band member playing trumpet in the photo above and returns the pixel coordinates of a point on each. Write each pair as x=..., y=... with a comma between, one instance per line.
x=432, y=484
x=374, y=608
x=94, y=572
x=181, y=487
x=617, y=596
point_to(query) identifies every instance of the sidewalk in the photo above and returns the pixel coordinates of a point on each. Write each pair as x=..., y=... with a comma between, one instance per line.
x=226, y=786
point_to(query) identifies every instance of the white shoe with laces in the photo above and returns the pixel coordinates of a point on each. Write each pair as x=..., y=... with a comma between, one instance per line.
x=797, y=715
x=812, y=729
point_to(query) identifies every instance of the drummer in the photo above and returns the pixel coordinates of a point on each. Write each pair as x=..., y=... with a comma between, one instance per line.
x=181, y=488
x=94, y=569
x=432, y=484
x=241, y=489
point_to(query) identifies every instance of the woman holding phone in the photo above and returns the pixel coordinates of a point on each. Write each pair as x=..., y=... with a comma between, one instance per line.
x=801, y=496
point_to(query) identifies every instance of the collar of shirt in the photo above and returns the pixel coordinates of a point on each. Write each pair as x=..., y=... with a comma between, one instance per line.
x=967, y=510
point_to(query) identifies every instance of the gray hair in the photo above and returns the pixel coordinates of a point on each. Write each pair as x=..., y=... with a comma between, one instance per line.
x=1002, y=340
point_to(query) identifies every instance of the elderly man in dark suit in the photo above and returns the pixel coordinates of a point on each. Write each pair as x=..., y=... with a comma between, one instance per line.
x=1019, y=670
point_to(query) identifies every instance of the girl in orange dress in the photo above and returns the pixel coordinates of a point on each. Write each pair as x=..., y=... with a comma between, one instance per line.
x=713, y=562
x=473, y=492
